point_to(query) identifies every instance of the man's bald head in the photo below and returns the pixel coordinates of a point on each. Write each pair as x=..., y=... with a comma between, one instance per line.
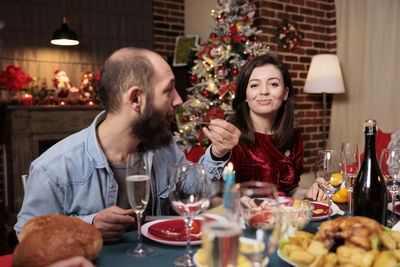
x=125, y=68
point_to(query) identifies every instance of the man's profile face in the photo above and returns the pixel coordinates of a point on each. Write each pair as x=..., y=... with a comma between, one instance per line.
x=152, y=125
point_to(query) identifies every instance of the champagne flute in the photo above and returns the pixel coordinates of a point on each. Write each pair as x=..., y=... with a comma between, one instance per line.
x=138, y=190
x=260, y=209
x=351, y=159
x=189, y=193
x=328, y=174
x=390, y=168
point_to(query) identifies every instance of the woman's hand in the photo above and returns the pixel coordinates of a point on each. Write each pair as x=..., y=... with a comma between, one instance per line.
x=315, y=192
x=223, y=135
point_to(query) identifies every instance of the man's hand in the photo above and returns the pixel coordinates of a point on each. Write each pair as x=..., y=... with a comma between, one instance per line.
x=315, y=192
x=223, y=135
x=112, y=223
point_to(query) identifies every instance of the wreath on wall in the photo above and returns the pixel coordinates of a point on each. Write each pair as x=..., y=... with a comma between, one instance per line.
x=288, y=34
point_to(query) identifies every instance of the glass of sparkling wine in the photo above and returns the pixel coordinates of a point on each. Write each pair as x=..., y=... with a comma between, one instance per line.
x=328, y=173
x=390, y=168
x=221, y=243
x=189, y=193
x=351, y=159
x=138, y=190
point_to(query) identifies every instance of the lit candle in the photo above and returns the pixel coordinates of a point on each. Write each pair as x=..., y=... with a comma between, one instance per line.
x=229, y=177
x=62, y=103
x=229, y=174
x=27, y=99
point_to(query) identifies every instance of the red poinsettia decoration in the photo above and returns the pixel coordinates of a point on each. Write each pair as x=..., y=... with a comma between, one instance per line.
x=13, y=78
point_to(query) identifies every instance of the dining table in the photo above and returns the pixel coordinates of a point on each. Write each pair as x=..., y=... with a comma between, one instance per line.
x=164, y=255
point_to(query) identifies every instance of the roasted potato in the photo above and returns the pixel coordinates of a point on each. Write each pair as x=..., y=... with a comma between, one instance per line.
x=317, y=248
x=385, y=259
x=302, y=257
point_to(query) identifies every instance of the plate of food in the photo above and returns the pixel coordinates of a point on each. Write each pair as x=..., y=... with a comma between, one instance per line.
x=172, y=232
x=320, y=211
x=369, y=244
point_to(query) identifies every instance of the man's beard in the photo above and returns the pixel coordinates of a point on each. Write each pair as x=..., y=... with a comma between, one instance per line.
x=152, y=128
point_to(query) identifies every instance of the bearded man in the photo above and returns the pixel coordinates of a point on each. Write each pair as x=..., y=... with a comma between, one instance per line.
x=83, y=175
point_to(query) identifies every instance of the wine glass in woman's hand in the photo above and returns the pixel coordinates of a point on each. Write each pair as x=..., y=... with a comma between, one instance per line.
x=189, y=193
x=328, y=173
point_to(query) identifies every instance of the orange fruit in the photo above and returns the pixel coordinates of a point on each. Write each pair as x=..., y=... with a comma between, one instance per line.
x=340, y=196
x=335, y=179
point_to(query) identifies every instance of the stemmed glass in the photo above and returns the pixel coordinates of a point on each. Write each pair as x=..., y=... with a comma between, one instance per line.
x=138, y=190
x=260, y=209
x=189, y=193
x=390, y=168
x=328, y=175
x=351, y=159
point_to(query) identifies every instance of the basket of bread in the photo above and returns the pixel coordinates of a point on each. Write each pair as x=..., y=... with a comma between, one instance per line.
x=49, y=238
x=345, y=241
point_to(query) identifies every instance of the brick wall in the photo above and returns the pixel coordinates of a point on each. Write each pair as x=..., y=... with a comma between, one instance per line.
x=168, y=23
x=315, y=18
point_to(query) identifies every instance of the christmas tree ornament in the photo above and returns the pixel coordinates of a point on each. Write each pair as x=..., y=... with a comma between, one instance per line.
x=222, y=72
x=192, y=78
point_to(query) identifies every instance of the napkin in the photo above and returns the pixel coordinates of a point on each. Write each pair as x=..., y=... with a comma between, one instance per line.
x=396, y=227
x=336, y=209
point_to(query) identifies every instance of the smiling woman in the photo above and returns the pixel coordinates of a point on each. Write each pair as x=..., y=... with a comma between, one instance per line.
x=270, y=149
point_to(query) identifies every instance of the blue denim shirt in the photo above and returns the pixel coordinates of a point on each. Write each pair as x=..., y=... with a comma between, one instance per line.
x=73, y=177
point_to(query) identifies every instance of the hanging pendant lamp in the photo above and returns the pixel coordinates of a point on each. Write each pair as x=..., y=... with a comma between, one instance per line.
x=64, y=36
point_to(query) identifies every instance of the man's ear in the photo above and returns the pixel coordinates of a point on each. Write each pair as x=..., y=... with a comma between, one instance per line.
x=135, y=97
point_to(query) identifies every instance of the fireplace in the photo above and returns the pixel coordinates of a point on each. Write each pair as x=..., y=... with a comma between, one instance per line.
x=29, y=131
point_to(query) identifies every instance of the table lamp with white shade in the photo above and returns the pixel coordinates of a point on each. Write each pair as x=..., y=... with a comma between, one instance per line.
x=324, y=77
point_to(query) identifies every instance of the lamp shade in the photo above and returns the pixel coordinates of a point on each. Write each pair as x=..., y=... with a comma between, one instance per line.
x=324, y=75
x=64, y=36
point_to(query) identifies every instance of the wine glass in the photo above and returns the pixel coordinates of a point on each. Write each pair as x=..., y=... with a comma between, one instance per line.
x=390, y=168
x=260, y=209
x=351, y=159
x=328, y=168
x=189, y=193
x=138, y=190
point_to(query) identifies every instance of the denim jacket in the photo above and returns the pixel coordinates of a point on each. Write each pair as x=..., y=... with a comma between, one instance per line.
x=73, y=177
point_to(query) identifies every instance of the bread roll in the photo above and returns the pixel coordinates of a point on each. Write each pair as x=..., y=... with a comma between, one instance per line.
x=50, y=238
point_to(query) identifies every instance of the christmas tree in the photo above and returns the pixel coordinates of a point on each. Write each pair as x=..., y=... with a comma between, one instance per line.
x=216, y=65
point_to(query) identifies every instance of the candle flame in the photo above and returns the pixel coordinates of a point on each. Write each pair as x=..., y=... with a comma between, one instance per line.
x=230, y=167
